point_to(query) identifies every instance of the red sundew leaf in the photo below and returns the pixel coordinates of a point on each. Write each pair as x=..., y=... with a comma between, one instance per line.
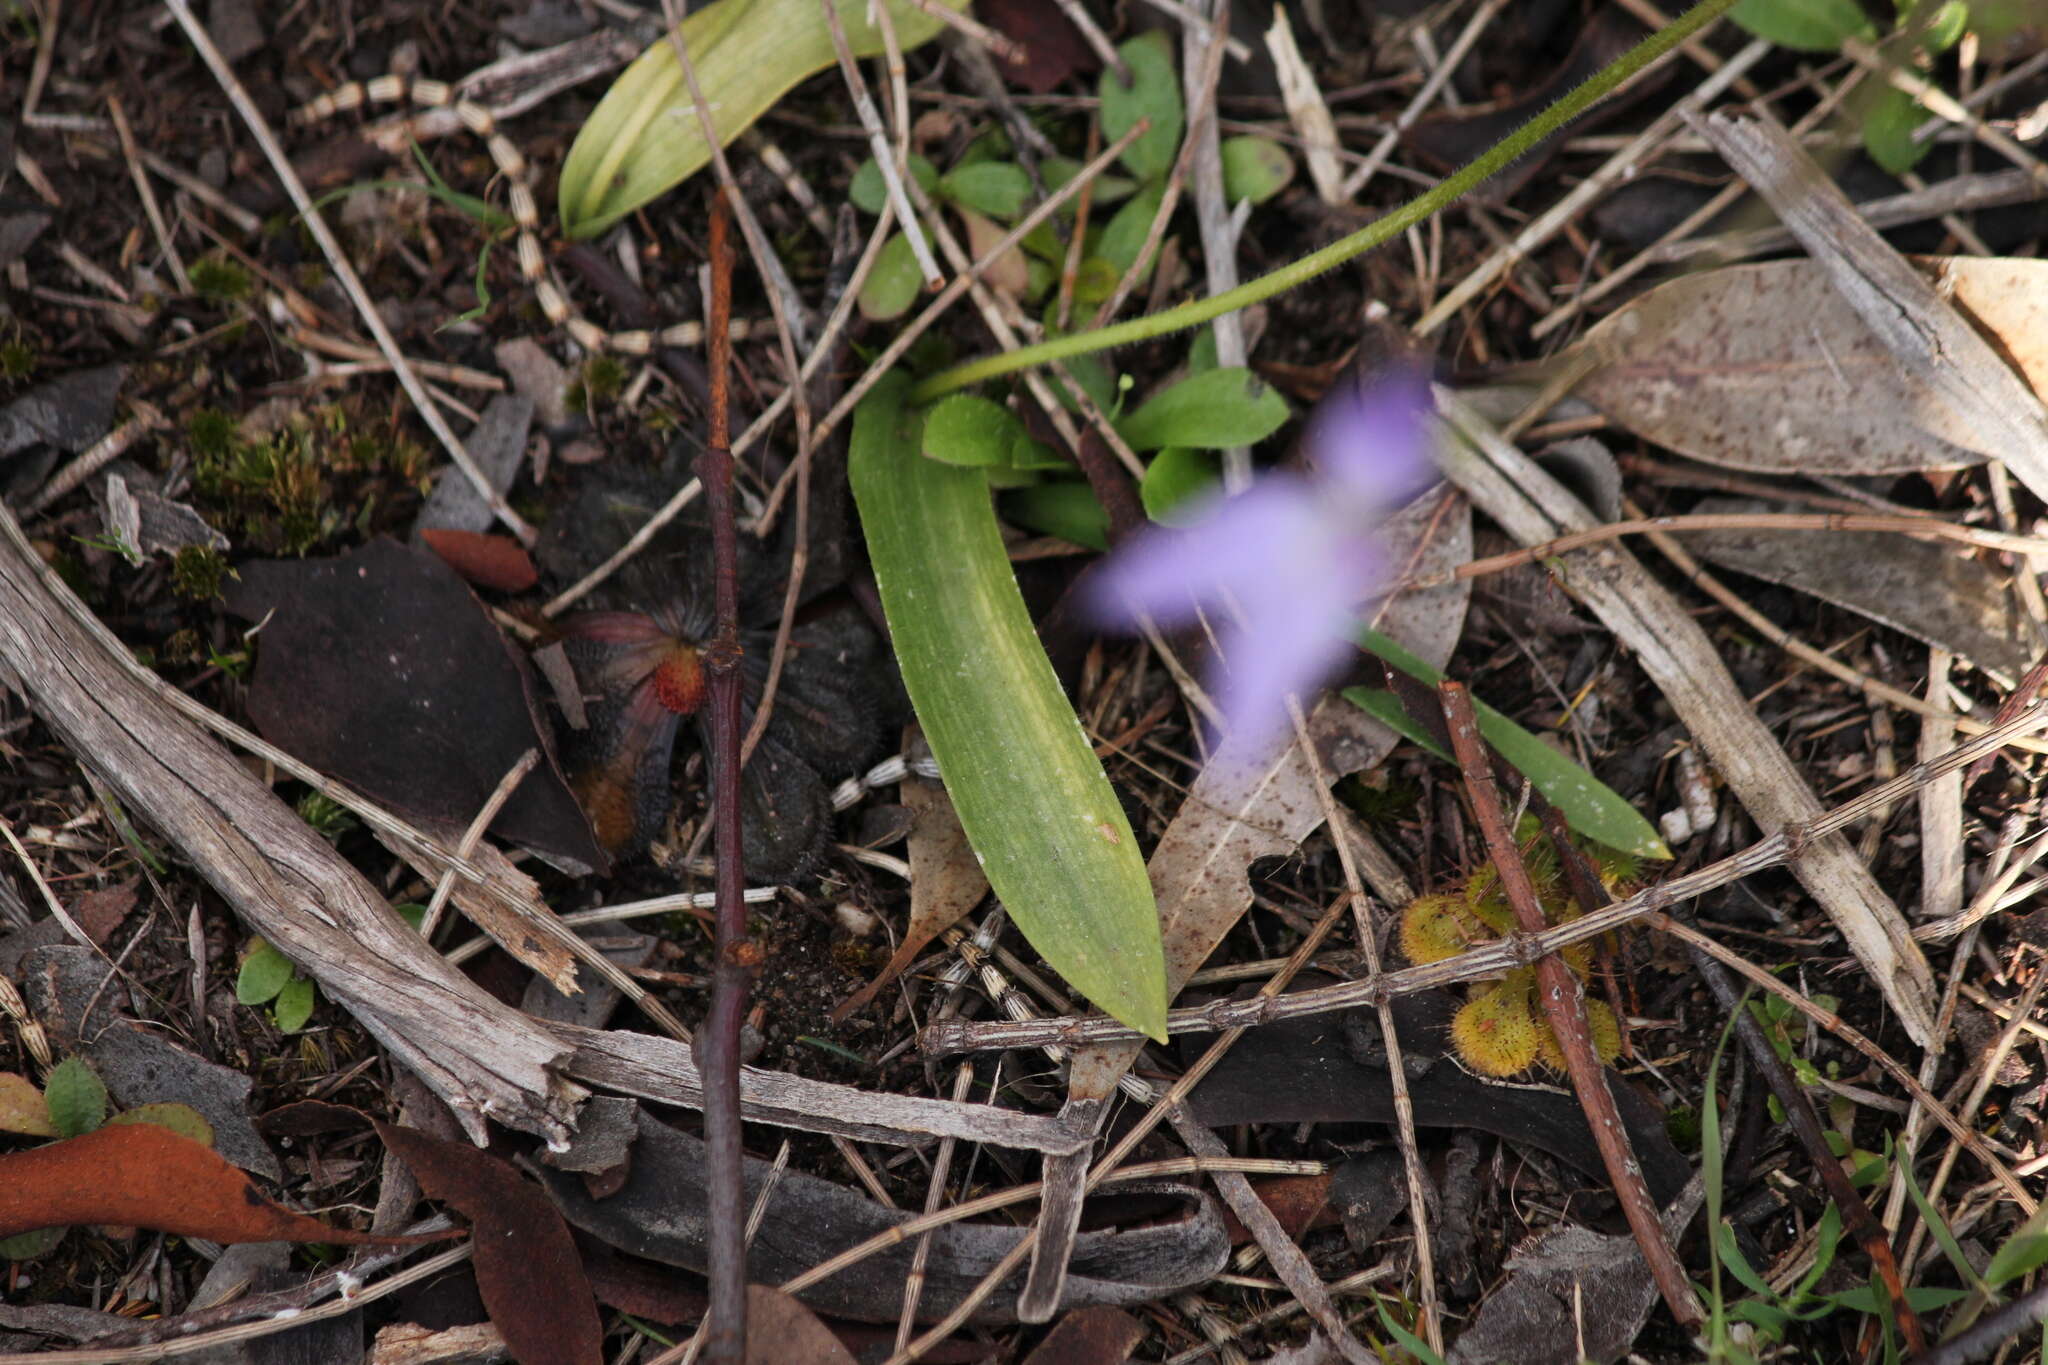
x=497, y=562
x=527, y=1269
x=141, y=1175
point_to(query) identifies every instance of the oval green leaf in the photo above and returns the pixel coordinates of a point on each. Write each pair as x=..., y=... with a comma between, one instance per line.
x=869, y=192
x=294, y=1005
x=264, y=973
x=971, y=431
x=76, y=1096
x=1804, y=25
x=1177, y=477
x=1067, y=509
x=1154, y=93
x=998, y=189
x=644, y=138
x=1254, y=168
x=1209, y=411
x=892, y=285
x=1030, y=793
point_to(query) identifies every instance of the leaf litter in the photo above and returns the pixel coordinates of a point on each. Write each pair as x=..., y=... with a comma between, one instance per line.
x=497, y=567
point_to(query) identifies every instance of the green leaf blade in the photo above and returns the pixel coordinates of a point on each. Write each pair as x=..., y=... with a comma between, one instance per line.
x=644, y=137
x=1589, y=805
x=1154, y=93
x=1213, y=410
x=1804, y=25
x=77, y=1098
x=1029, y=791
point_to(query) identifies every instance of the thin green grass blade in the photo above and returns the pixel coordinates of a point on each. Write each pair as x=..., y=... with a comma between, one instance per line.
x=1591, y=807
x=1028, y=788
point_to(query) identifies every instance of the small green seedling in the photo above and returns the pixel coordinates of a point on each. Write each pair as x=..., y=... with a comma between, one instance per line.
x=267, y=977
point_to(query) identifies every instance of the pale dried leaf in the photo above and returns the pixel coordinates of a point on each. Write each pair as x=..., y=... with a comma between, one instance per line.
x=1768, y=367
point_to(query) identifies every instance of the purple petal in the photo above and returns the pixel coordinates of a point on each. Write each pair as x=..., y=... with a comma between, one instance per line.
x=1169, y=574
x=1372, y=444
x=1290, y=646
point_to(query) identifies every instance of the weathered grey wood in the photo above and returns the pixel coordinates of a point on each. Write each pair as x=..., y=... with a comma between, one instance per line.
x=483, y=1058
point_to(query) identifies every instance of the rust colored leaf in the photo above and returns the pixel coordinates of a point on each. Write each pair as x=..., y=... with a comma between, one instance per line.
x=780, y=1330
x=489, y=561
x=1089, y=1336
x=1296, y=1200
x=946, y=880
x=527, y=1268
x=100, y=912
x=1768, y=367
x=141, y=1175
x=22, y=1107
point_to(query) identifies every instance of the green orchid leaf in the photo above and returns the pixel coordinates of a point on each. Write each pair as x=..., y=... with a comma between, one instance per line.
x=1805, y=25
x=644, y=137
x=1212, y=410
x=869, y=192
x=76, y=1096
x=1030, y=793
x=1066, y=509
x=1124, y=237
x=264, y=973
x=1590, y=806
x=894, y=282
x=998, y=189
x=1888, y=127
x=1177, y=477
x=1154, y=93
x=1254, y=168
x=971, y=431
x=293, y=1006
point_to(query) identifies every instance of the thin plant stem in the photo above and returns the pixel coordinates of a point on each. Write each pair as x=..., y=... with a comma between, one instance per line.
x=1416, y=211
x=734, y=955
x=1564, y=1006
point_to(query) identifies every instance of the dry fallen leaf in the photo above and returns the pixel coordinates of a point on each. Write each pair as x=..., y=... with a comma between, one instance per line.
x=527, y=1269
x=946, y=880
x=22, y=1107
x=141, y=1175
x=1767, y=367
x=780, y=1331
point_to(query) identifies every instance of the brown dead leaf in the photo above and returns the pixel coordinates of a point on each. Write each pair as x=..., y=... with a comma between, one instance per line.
x=527, y=1269
x=141, y=1175
x=946, y=880
x=22, y=1107
x=100, y=912
x=1767, y=367
x=781, y=1331
x=1089, y=1336
x=489, y=561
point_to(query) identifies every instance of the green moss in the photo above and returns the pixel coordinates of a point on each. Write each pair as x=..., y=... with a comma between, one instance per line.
x=212, y=434
x=18, y=359
x=604, y=378
x=219, y=280
x=197, y=572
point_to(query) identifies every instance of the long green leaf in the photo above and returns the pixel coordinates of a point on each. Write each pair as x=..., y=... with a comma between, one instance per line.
x=1590, y=806
x=1029, y=791
x=643, y=139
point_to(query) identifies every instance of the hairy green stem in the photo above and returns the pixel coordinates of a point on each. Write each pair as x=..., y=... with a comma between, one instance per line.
x=1446, y=192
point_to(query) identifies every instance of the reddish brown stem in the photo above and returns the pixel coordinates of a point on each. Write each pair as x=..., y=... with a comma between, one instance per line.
x=718, y=1043
x=1564, y=1005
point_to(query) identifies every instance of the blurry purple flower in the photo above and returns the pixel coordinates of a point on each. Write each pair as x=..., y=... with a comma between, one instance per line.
x=1280, y=570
